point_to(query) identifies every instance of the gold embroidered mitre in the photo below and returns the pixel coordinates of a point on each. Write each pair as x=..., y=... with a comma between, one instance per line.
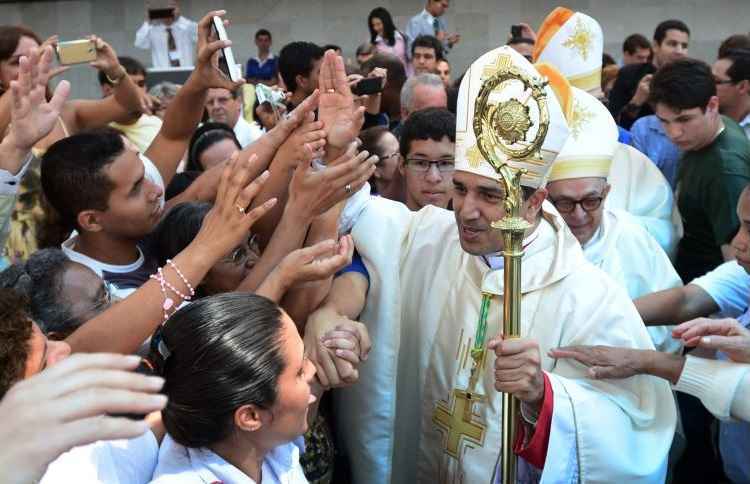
x=592, y=144
x=514, y=116
x=573, y=42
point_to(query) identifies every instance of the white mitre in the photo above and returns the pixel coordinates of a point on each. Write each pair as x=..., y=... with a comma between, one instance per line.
x=468, y=156
x=573, y=42
x=592, y=143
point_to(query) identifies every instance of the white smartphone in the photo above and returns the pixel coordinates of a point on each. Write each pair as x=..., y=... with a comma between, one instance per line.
x=227, y=65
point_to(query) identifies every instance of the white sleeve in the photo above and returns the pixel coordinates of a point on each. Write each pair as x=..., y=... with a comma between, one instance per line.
x=9, y=182
x=718, y=384
x=729, y=287
x=142, y=40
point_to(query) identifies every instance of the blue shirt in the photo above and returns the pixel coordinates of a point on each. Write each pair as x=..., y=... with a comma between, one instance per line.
x=729, y=287
x=264, y=71
x=424, y=24
x=624, y=137
x=648, y=137
x=356, y=266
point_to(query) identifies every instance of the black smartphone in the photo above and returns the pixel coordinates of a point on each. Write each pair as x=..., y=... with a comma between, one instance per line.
x=368, y=85
x=516, y=31
x=160, y=13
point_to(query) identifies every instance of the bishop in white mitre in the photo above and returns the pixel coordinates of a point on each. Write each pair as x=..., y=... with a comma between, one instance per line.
x=408, y=419
x=611, y=239
x=573, y=42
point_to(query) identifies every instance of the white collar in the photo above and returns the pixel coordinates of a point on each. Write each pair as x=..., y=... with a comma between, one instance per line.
x=496, y=260
x=745, y=121
x=98, y=266
x=428, y=14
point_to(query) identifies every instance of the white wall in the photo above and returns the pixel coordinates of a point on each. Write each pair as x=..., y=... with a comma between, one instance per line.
x=483, y=24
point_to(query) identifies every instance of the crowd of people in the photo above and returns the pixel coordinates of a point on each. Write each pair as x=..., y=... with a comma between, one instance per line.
x=296, y=276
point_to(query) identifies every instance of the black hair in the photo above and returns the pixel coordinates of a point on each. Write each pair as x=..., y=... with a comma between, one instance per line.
x=661, y=30
x=683, y=84
x=132, y=67
x=177, y=229
x=430, y=123
x=633, y=42
x=265, y=32
x=733, y=42
x=607, y=60
x=296, y=59
x=73, y=177
x=389, y=28
x=331, y=47
x=205, y=137
x=740, y=69
x=520, y=40
x=222, y=352
x=429, y=42
x=40, y=280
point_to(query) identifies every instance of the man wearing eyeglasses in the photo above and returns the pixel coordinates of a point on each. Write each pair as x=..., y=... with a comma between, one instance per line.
x=611, y=239
x=427, y=145
x=732, y=77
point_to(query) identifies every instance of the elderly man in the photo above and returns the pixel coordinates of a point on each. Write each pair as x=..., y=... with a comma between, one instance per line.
x=638, y=186
x=430, y=271
x=611, y=239
x=225, y=106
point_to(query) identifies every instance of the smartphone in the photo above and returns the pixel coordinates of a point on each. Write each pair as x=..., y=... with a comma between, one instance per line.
x=368, y=85
x=160, y=13
x=227, y=65
x=76, y=52
x=516, y=31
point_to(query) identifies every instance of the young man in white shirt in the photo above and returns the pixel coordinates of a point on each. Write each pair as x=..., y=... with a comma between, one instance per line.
x=171, y=41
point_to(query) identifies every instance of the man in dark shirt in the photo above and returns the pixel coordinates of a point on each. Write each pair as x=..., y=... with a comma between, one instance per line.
x=713, y=171
x=264, y=67
x=627, y=100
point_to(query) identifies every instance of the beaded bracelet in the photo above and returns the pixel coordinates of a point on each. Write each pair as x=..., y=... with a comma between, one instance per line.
x=184, y=279
x=168, y=301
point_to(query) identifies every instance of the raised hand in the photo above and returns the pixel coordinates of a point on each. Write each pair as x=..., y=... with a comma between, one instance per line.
x=207, y=64
x=67, y=405
x=314, y=192
x=336, y=346
x=308, y=139
x=228, y=223
x=317, y=262
x=106, y=59
x=32, y=116
x=342, y=119
x=726, y=335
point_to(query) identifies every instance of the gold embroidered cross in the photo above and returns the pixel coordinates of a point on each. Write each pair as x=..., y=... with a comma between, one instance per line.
x=458, y=422
x=580, y=39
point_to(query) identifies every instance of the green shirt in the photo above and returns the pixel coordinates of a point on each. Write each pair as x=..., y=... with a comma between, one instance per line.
x=709, y=183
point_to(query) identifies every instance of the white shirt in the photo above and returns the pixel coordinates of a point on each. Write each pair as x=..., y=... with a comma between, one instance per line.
x=745, y=125
x=184, y=465
x=729, y=287
x=108, y=462
x=155, y=38
x=246, y=133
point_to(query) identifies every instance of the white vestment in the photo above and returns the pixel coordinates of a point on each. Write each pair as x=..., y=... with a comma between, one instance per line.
x=423, y=303
x=630, y=255
x=639, y=188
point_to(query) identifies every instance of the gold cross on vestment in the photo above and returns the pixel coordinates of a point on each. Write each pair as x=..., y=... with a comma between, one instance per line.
x=457, y=421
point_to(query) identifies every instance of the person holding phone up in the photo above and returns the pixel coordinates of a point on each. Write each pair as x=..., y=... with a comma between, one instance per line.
x=170, y=36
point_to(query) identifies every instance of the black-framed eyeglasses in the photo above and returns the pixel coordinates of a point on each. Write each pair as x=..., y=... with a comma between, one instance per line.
x=721, y=82
x=589, y=204
x=423, y=166
x=385, y=157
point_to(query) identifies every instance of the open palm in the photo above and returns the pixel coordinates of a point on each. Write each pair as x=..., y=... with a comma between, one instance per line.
x=33, y=117
x=336, y=107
